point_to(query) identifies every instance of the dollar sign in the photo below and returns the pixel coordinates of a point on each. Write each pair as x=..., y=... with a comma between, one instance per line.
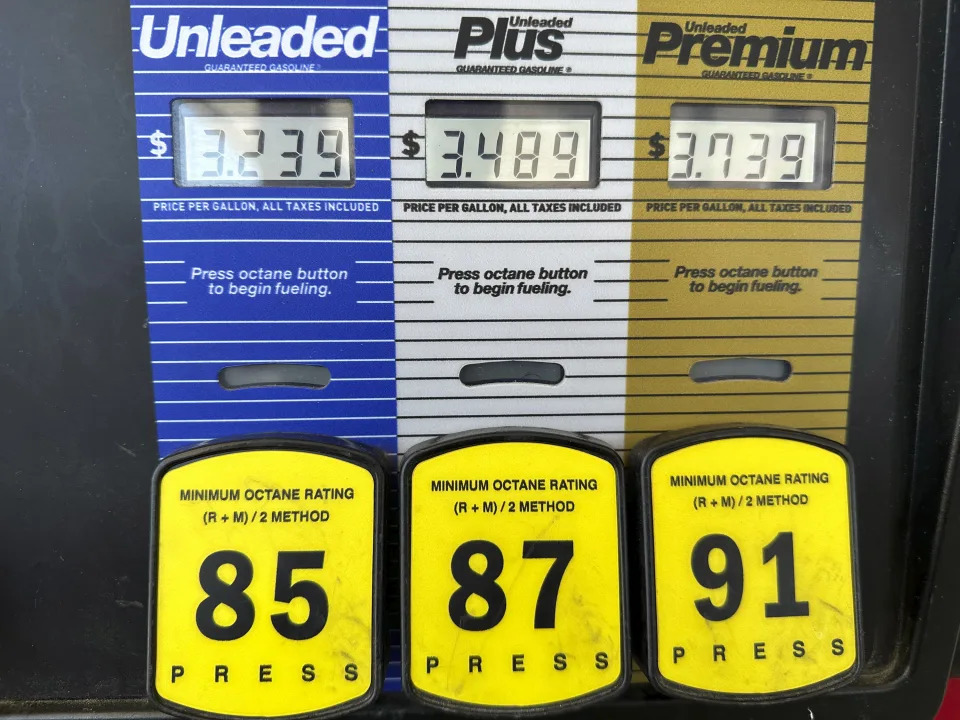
x=159, y=146
x=411, y=146
x=657, y=148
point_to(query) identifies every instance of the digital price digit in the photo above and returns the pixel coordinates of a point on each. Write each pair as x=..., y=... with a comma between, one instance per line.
x=251, y=154
x=215, y=155
x=501, y=611
x=336, y=154
x=295, y=155
x=496, y=156
x=751, y=563
x=266, y=579
x=457, y=156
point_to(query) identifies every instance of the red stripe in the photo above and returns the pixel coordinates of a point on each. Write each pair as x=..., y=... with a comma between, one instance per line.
x=950, y=710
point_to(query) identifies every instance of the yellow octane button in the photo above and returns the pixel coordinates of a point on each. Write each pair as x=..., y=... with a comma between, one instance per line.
x=750, y=550
x=265, y=580
x=513, y=568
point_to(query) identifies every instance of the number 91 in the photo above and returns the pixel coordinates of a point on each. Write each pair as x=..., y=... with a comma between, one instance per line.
x=732, y=577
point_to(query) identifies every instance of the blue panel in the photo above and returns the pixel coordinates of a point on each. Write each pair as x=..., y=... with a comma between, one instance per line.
x=343, y=233
x=198, y=324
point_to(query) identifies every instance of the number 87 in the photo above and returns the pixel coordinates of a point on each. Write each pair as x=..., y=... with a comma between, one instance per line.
x=484, y=584
x=731, y=576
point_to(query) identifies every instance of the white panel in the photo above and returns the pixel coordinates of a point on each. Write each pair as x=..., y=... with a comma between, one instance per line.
x=480, y=230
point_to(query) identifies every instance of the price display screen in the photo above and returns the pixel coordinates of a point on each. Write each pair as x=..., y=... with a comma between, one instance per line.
x=230, y=143
x=751, y=146
x=512, y=144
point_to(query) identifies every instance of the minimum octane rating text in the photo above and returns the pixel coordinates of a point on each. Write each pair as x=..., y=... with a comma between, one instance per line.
x=511, y=484
x=265, y=494
x=713, y=480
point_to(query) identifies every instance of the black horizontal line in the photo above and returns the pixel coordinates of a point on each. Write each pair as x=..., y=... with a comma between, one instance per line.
x=611, y=375
x=582, y=432
x=635, y=431
x=645, y=280
x=567, y=220
x=622, y=337
x=631, y=319
x=660, y=375
x=839, y=279
x=674, y=98
x=658, y=260
x=853, y=260
x=565, y=53
x=622, y=375
x=658, y=180
x=605, y=117
x=578, y=53
x=641, y=375
x=413, y=302
x=420, y=221
x=772, y=394
x=746, y=240
x=640, y=13
x=551, y=358
x=614, y=432
x=565, y=32
x=625, y=117
x=700, y=77
x=413, y=282
x=630, y=300
x=647, y=137
x=430, y=377
x=838, y=298
x=641, y=158
x=612, y=414
x=516, y=241
x=612, y=75
x=541, y=200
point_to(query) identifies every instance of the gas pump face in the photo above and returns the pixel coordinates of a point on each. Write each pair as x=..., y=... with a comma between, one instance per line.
x=497, y=360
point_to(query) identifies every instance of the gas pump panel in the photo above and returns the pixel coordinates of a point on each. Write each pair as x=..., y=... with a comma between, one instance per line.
x=504, y=361
x=655, y=218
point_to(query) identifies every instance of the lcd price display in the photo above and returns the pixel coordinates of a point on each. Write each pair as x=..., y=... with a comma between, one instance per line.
x=230, y=143
x=751, y=146
x=512, y=144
